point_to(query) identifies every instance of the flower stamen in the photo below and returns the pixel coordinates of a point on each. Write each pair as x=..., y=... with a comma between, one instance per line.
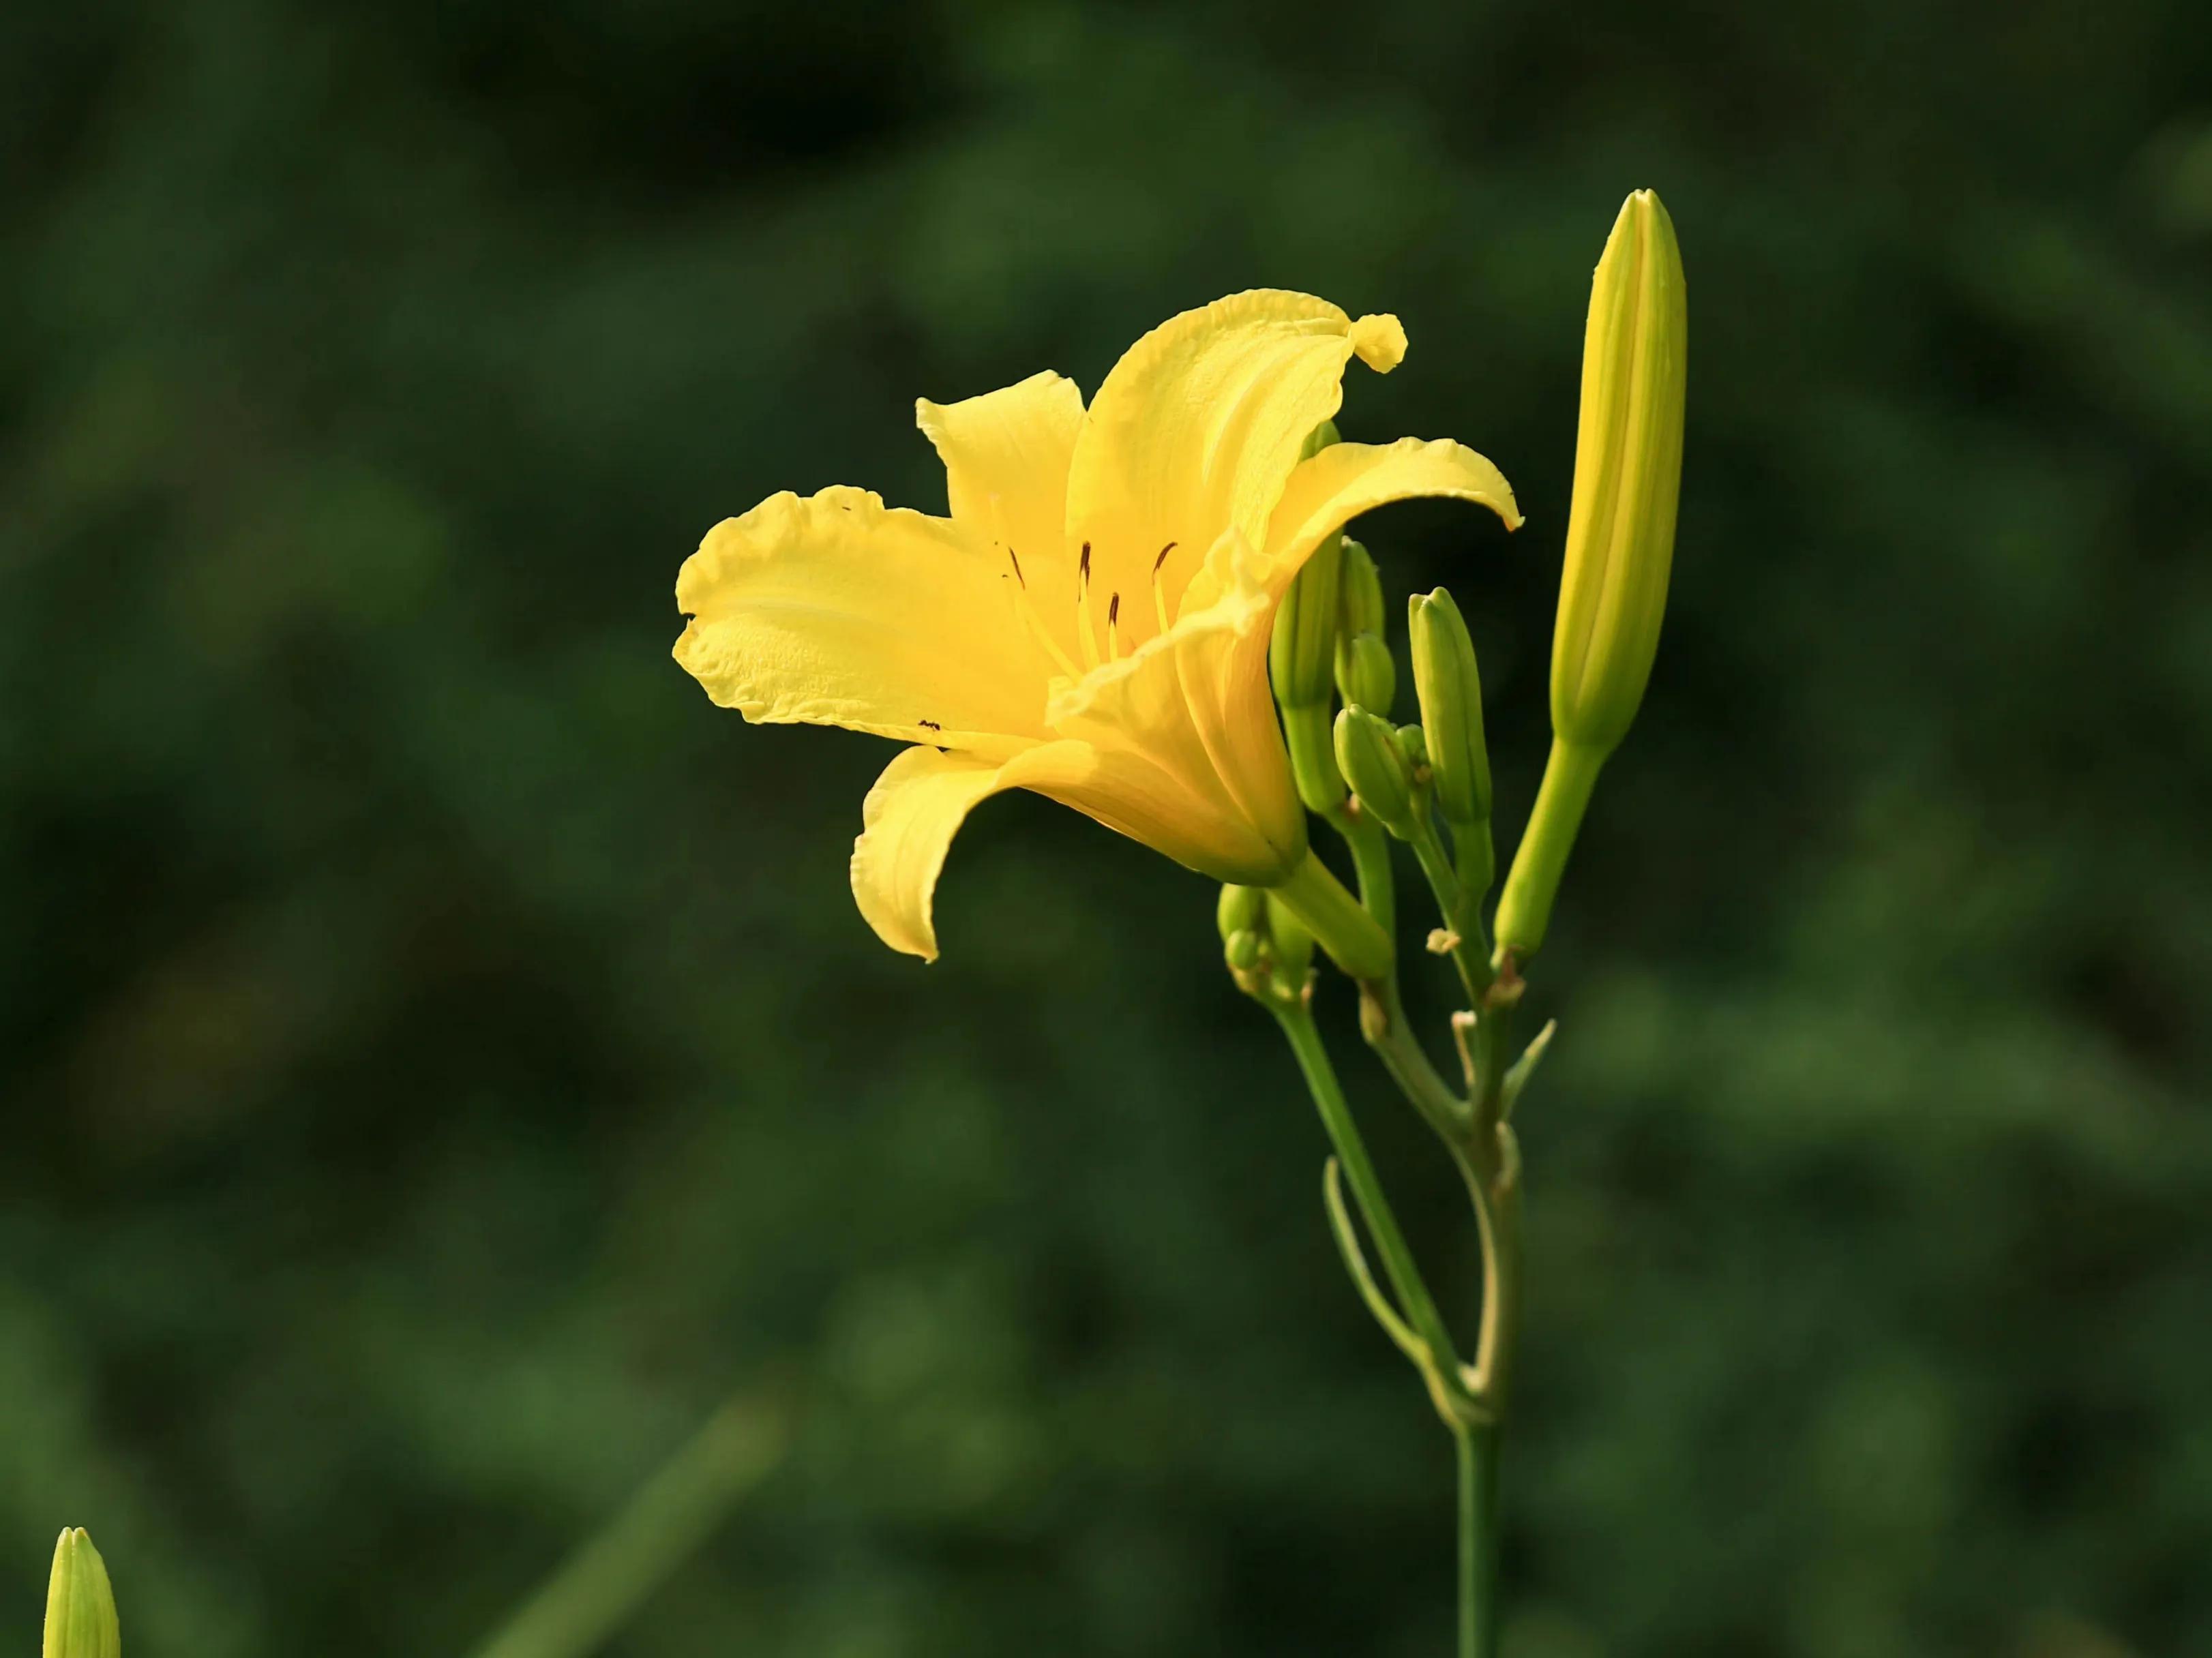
x=1114, y=629
x=1159, y=593
x=1025, y=609
x=1084, y=632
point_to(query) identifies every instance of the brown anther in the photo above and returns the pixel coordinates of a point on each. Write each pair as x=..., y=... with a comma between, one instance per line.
x=1083, y=564
x=1019, y=576
x=1163, y=558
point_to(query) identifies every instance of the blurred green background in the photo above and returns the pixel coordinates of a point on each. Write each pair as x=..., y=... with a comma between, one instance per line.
x=442, y=1059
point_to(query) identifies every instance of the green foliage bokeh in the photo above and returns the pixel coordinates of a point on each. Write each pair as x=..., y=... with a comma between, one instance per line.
x=442, y=1061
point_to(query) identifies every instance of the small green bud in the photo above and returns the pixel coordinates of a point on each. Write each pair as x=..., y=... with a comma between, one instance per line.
x=1628, y=477
x=1301, y=656
x=1242, y=950
x=1364, y=672
x=1240, y=909
x=1414, y=745
x=1294, y=945
x=1302, y=651
x=1301, y=660
x=1367, y=750
x=81, y=1620
x=1450, y=692
x=1360, y=592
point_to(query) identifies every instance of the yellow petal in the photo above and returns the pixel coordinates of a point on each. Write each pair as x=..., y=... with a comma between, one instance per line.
x=1197, y=427
x=838, y=611
x=1005, y=457
x=1379, y=341
x=1334, y=487
x=910, y=818
x=1191, y=759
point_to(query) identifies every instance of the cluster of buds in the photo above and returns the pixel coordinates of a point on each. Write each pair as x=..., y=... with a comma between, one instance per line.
x=1269, y=950
x=1329, y=643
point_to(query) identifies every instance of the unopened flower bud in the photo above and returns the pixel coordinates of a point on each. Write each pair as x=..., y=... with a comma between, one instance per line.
x=1242, y=950
x=1294, y=945
x=1302, y=654
x=1365, y=673
x=1359, y=593
x=1620, y=544
x=1628, y=475
x=1450, y=692
x=1367, y=750
x=1301, y=660
x=1414, y=745
x=1240, y=909
x=81, y=1620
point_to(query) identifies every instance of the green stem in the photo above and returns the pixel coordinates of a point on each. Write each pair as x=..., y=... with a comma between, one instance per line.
x=1398, y=1263
x=1357, y=942
x=1370, y=862
x=1482, y=1147
x=1524, y=909
x=1382, y=1021
x=1461, y=910
x=1477, y=1446
x=1498, y=1216
x=1383, y=1017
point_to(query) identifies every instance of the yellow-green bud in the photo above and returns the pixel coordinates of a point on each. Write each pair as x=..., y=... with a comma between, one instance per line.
x=1365, y=673
x=1294, y=944
x=1450, y=692
x=1301, y=660
x=1242, y=950
x=1367, y=750
x=1360, y=591
x=1628, y=475
x=1415, y=747
x=1620, y=544
x=1240, y=909
x=1302, y=654
x=1268, y=949
x=81, y=1620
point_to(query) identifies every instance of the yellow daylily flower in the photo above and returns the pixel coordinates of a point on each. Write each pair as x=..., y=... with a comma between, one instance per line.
x=1092, y=621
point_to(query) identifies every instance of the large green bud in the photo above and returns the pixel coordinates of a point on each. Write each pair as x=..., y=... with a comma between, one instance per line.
x=1620, y=543
x=81, y=1620
x=1628, y=477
